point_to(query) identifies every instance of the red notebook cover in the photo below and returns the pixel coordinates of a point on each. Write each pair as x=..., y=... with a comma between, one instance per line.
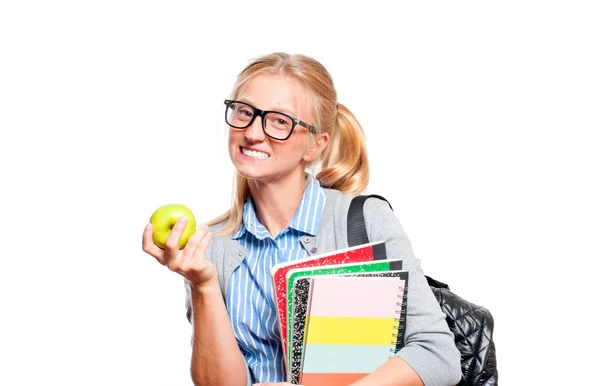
x=365, y=252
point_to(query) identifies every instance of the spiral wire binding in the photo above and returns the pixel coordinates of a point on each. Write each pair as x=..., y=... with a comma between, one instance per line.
x=399, y=322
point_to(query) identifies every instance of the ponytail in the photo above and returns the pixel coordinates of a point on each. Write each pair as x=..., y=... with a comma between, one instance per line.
x=345, y=165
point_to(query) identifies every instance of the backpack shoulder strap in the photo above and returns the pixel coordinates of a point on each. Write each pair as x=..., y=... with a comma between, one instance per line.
x=357, y=231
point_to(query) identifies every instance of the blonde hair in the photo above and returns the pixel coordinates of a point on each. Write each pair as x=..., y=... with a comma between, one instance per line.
x=343, y=165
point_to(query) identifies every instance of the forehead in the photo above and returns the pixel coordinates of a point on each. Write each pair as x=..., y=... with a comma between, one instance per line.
x=274, y=92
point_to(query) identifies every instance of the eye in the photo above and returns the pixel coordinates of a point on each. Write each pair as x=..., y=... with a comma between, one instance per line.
x=240, y=111
x=279, y=122
x=245, y=111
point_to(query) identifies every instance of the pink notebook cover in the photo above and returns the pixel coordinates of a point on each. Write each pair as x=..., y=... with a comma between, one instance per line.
x=365, y=252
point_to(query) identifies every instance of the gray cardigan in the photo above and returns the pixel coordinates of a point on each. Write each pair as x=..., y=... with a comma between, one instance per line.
x=429, y=345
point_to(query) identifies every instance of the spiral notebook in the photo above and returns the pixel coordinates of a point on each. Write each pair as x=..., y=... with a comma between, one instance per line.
x=350, y=268
x=352, y=327
x=301, y=288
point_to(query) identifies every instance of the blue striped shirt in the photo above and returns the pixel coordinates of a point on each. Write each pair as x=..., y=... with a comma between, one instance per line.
x=250, y=300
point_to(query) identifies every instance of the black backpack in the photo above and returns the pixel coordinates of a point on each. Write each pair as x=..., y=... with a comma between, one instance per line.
x=472, y=325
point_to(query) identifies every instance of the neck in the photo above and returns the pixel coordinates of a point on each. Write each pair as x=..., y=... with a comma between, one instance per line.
x=275, y=203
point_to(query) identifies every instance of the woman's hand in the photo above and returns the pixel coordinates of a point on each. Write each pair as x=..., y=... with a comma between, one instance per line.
x=188, y=262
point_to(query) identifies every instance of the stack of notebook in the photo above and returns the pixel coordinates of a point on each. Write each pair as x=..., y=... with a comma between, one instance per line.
x=341, y=314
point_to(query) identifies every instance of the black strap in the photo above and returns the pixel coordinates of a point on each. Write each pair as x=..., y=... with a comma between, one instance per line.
x=357, y=231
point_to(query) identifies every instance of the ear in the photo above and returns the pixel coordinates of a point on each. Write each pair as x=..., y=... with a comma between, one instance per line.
x=315, y=150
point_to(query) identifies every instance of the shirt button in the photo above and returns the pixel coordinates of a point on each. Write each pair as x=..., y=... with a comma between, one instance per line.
x=313, y=250
x=306, y=239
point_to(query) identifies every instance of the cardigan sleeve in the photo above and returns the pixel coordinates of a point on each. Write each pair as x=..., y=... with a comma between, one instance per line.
x=429, y=345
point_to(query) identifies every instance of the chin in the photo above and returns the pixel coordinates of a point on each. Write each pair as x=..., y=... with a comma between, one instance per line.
x=249, y=172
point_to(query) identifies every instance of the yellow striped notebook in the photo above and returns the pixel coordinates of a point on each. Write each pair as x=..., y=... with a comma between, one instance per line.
x=353, y=326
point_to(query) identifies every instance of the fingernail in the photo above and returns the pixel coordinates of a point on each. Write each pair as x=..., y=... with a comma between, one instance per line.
x=182, y=220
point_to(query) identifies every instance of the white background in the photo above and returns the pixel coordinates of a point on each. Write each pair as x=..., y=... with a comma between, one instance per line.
x=481, y=120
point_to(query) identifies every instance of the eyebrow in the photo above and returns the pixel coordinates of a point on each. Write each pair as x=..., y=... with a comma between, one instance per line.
x=279, y=110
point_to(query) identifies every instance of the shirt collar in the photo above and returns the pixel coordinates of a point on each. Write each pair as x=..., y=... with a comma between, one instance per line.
x=250, y=223
x=306, y=220
x=308, y=215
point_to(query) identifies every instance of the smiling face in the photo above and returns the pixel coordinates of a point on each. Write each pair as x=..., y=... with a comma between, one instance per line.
x=254, y=154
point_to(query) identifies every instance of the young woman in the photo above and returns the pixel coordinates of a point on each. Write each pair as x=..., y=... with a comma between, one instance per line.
x=299, y=156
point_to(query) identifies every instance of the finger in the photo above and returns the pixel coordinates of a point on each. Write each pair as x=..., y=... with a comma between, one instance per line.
x=149, y=247
x=172, y=252
x=172, y=243
x=192, y=244
x=197, y=260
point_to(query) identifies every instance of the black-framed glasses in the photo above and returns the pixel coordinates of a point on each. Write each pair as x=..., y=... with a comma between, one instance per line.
x=275, y=124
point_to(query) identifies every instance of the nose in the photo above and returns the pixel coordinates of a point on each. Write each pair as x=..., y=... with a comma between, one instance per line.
x=254, y=132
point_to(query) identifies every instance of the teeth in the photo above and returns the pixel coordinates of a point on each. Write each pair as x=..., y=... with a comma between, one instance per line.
x=255, y=154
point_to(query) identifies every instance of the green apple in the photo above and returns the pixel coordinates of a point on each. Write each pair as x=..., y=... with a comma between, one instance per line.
x=164, y=218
